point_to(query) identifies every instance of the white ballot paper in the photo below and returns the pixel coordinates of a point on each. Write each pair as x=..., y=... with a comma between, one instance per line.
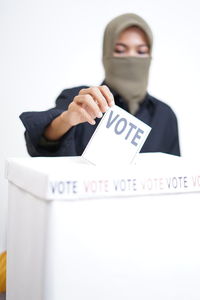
x=117, y=139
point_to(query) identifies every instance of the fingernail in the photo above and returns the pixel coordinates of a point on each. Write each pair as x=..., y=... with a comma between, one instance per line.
x=112, y=103
x=99, y=115
x=106, y=107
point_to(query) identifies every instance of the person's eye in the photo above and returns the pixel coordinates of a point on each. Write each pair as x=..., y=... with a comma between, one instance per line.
x=119, y=51
x=143, y=51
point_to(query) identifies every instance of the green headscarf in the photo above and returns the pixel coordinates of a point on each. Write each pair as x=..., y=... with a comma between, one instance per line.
x=128, y=76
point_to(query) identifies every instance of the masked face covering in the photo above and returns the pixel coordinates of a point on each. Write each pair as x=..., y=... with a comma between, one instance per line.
x=128, y=76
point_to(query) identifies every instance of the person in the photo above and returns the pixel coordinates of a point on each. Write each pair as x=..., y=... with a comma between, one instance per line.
x=66, y=129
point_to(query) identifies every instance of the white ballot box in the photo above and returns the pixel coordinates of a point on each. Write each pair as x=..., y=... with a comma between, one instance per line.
x=76, y=231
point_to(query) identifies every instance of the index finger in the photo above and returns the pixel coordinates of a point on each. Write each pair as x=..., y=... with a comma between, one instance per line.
x=107, y=94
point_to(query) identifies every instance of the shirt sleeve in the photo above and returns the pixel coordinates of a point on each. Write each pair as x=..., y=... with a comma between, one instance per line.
x=35, y=123
x=164, y=135
x=173, y=137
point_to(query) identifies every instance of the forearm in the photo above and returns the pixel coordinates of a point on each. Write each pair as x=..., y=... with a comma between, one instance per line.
x=58, y=127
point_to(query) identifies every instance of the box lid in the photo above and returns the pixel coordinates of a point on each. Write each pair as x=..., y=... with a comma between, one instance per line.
x=67, y=178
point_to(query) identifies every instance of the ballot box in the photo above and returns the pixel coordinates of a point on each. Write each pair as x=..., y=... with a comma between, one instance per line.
x=76, y=231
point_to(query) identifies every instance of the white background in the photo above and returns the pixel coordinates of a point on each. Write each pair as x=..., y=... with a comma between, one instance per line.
x=47, y=46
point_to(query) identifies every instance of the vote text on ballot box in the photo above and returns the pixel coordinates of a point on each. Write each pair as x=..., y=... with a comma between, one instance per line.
x=76, y=231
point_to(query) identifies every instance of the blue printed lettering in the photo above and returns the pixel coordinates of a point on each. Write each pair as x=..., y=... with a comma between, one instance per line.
x=132, y=126
x=110, y=122
x=117, y=130
x=137, y=136
x=122, y=126
x=124, y=185
x=62, y=187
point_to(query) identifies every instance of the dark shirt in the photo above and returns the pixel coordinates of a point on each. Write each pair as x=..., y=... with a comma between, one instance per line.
x=155, y=113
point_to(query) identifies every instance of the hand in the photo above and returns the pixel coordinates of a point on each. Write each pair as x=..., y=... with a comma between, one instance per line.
x=88, y=105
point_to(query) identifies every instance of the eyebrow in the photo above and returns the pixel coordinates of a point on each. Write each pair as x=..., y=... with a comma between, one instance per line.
x=124, y=45
x=120, y=44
